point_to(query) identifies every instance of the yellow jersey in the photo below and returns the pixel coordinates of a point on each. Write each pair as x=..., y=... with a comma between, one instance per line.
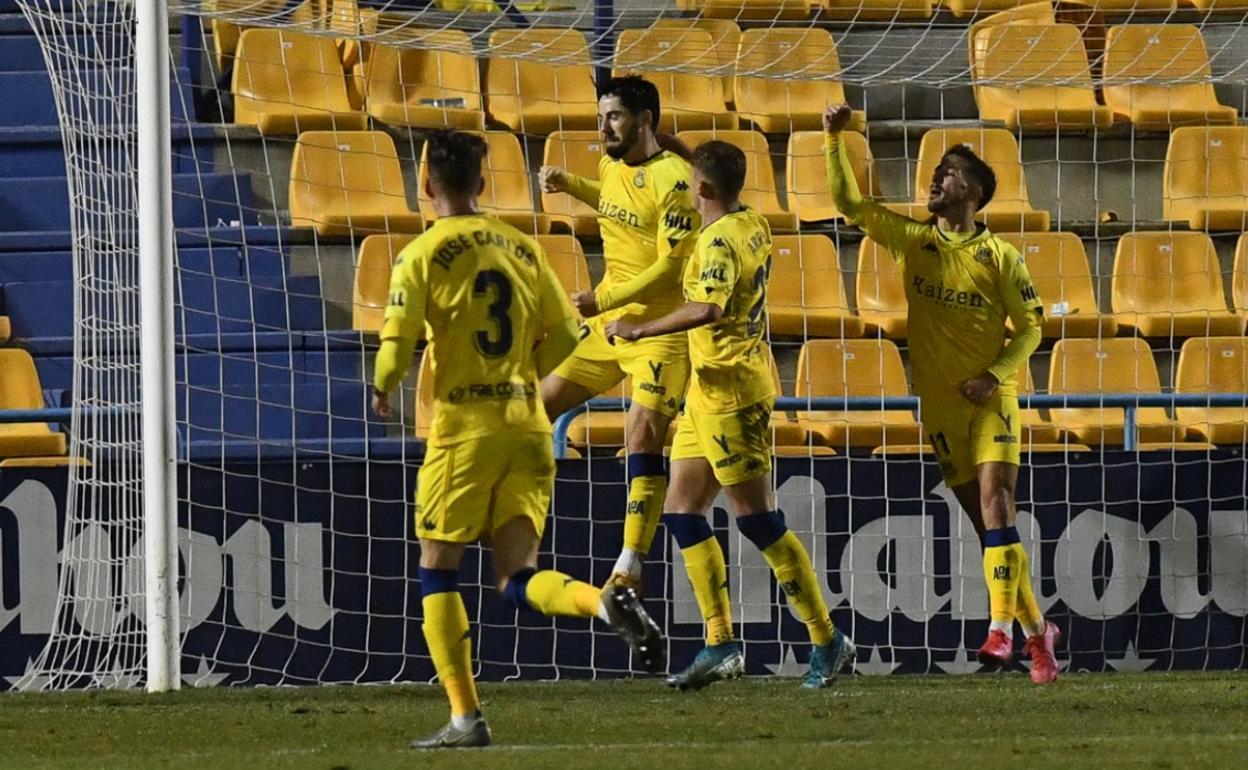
x=483, y=294
x=645, y=214
x=730, y=358
x=961, y=289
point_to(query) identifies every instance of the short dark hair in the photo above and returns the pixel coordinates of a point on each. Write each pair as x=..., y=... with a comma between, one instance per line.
x=635, y=94
x=979, y=171
x=722, y=165
x=454, y=161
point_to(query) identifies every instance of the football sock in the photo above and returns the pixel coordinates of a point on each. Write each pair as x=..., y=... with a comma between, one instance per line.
x=554, y=593
x=1027, y=610
x=708, y=574
x=1002, y=565
x=450, y=644
x=647, y=486
x=791, y=564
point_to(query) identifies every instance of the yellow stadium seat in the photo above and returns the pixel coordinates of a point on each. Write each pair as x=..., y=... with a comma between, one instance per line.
x=683, y=66
x=1157, y=76
x=226, y=34
x=750, y=10
x=604, y=429
x=349, y=182
x=840, y=368
x=964, y=8
x=540, y=80
x=881, y=292
x=567, y=259
x=1219, y=5
x=577, y=152
x=1116, y=365
x=1059, y=269
x=1206, y=177
x=1239, y=277
x=760, y=191
x=878, y=10
x=1036, y=77
x=1214, y=365
x=350, y=22
x=786, y=78
x=435, y=86
x=286, y=82
x=802, y=450
x=372, y=280
x=507, y=194
x=1010, y=208
x=1169, y=284
x=1036, y=430
x=725, y=37
x=806, y=294
x=6, y=328
x=807, y=174
x=20, y=389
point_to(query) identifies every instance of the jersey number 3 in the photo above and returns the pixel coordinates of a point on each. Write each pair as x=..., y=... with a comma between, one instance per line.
x=495, y=342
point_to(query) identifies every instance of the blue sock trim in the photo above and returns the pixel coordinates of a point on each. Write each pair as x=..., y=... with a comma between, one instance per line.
x=687, y=529
x=763, y=529
x=517, y=585
x=438, y=581
x=994, y=538
x=645, y=465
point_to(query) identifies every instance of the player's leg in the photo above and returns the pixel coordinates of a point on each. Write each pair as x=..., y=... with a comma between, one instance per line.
x=560, y=395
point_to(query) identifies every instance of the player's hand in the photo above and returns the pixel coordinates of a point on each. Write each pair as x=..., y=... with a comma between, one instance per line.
x=552, y=179
x=978, y=389
x=622, y=329
x=836, y=117
x=673, y=144
x=381, y=404
x=585, y=303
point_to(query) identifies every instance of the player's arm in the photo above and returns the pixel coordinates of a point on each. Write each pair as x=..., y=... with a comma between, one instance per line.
x=404, y=325
x=674, y=145
x=1026, y=311
x=674, y=241
x=891, y=230
x=718, y=271
x=556, y=180
x=558, y=338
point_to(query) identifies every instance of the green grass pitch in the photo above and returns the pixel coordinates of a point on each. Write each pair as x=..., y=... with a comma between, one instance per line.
x=1102, y=721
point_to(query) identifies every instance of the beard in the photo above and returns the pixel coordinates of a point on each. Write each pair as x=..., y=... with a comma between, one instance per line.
x=624, y=145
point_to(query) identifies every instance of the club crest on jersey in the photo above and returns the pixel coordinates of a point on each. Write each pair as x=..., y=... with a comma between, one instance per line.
x=681, y=186
x=983, y=255
x=639, y=179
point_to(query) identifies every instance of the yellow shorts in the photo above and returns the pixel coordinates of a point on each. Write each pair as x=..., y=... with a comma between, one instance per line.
x=659, y=366
x=965, y=436
x=465, y=491
x=736, y=444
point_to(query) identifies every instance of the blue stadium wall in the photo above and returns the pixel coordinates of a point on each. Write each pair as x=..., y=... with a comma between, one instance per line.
x=1144, y=564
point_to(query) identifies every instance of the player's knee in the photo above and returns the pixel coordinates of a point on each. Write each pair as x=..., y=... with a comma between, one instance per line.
x=647, y=432
x=762, y=529
x=514, y=587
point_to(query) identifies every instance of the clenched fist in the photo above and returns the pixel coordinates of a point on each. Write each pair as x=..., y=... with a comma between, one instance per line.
x=552, y=179
x=836, y=117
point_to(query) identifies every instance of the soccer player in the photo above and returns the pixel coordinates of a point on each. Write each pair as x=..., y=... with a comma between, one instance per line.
x=647, y=224
x=723, y=439
x=962, y=282
x=496, y=320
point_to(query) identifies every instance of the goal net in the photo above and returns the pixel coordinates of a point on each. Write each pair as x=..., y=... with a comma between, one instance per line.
x=297, y=135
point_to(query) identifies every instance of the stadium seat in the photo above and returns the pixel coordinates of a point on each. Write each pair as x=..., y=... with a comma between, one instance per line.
x=1239, y=277
x=682, y=64
x=760, y=191
x=1219, y=5
x=226, y=34
x=787, y=77
x=567, y=259
x=840, y=368
x=350, y=22
x=1036, y=430
x=878, y=10
x=964, y=8
x=806, y=294
x=435, y=86
x=807, y=174
x=1117, y=365
x=1010, y=208
x=344, y=182
x=1059, y=269
x=1158, y=77
x=507, y=194
x=372, y=280
x=750, y=10
x=880, y=292
x=6, y=328
x=1036, y=78
x=1213, y=365
x=540, y=80
x=579, y=153
x=1206, y=177
x=20, y=389
x=286, y=82
x=1169, y=284
x=725, y=38
x=604, y=429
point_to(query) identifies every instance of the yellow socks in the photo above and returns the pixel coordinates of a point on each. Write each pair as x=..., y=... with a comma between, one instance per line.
x=446, y=633
x=647, y=487
x=553, y=593
x=1027, y=609
x=708, y=574
x=1004, y=558
x=791, y=564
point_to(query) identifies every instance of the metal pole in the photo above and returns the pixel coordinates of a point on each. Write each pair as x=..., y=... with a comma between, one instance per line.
x=155, y=222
